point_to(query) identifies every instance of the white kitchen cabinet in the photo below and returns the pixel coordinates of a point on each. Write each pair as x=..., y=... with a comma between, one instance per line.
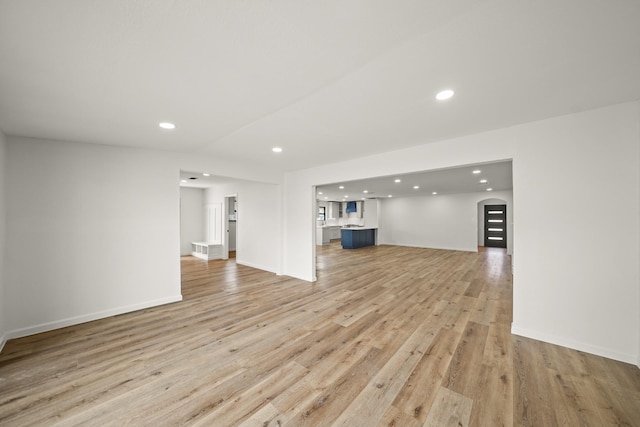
x=334, y=233
x=324, y=235
x=334, y=210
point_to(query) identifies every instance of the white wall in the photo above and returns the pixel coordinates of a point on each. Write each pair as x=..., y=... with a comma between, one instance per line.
x=258, y=226
x=94, y=231
x=577, y=232
x=192, y=222
x=372, y=210
x=3, y=217
x=569, y=288
x=441, y=222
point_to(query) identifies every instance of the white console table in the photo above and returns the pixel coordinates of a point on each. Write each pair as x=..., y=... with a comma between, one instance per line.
x=206, y=250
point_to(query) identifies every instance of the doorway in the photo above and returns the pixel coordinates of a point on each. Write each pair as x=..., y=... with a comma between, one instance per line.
x=231, y=226
x=495, y=226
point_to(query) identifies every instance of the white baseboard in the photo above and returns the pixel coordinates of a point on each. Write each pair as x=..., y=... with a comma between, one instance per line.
x=580, y=346
x=63, y=323
x=258, y=267
x=3, y=341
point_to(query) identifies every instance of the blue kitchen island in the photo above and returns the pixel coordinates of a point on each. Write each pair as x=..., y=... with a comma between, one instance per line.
x=358, y=237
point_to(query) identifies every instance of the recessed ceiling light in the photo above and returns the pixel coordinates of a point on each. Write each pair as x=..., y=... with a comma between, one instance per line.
x=366, y=191
x=397, y=180
x=277, y=149
x=477, y=171
x=483, y=181
x=489, y=189
x=389, y=195
x=206, y=174
x=183, y=180
x=346, y=197
x=320, y=192
x=167, y=125
x=341, y=187
x=415, y=187
x=445, y=94
x=434, y=193
x=361, y=198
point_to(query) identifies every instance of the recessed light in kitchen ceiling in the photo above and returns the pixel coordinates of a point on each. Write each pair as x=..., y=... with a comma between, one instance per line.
x=477, y=171
x=341, y=187
x=206, y=174
x=167, y=125
x=277, y=149
x=416, y=187
x=444, y=94
x=434, y=193
x=483, y=181
x=397, y=180
x=489, y=189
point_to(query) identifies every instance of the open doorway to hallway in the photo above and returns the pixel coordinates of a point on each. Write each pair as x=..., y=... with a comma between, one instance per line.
x=208, y=217
x=231, y=225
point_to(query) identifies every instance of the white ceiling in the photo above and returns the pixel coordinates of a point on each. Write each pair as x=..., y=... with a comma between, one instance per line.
x=462, y=179
x=498, y=176
x=327, y=81
x=200, y=180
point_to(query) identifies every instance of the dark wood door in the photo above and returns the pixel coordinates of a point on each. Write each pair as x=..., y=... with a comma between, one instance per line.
x=495, y=226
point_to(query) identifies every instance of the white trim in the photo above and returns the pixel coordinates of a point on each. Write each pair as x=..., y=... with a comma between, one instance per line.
x=49, y=326
x=259, y=267
x=575, y=345
x=3, y=341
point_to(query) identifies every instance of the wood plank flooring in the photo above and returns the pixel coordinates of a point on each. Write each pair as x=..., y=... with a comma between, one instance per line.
x=389, y=336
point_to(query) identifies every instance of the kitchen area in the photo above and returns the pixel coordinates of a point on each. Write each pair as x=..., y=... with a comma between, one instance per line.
x=353, y=223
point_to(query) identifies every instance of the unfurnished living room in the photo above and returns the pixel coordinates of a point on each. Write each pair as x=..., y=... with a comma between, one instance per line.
x=407, y=213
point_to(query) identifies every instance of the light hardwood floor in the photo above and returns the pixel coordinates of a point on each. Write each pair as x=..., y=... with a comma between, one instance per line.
x=388, y=336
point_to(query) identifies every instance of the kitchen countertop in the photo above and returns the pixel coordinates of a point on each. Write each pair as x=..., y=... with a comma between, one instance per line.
x=358, y=228
x=342, y=227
